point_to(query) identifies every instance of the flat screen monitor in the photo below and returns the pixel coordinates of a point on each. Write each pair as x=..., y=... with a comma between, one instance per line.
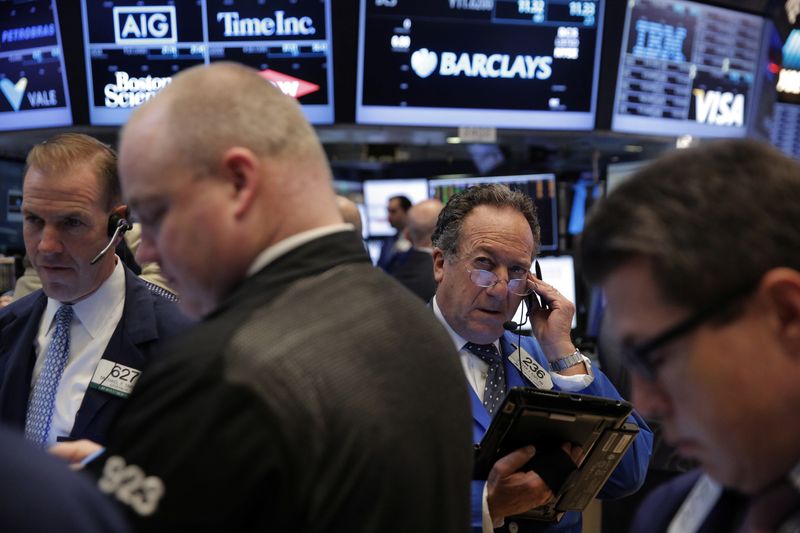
x=133, y=48
x=618, y=173
x=376, y=198
x=785, y=132
x=540, y=187
x=504, y=63
x=558, y=271
x=11, y=206
x=33, y=79
x=686, y=68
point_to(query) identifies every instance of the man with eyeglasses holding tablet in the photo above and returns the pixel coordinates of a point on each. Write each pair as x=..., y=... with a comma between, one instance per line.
x=699, y=258
x=484, y=244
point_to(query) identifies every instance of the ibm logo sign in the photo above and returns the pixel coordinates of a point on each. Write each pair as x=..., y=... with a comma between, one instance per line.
x=145, y=25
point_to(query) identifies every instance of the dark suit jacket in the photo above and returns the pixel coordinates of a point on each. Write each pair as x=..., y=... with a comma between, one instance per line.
x=40, y=495
x=661, y=505
x=414, y=269
x=147, y=320
x=320, y=396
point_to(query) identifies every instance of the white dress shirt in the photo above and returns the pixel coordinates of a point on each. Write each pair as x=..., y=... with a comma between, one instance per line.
x=94, y=321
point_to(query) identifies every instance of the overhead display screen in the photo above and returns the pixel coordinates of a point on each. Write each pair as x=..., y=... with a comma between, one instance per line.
x=686, y=68
x=33, y=80
x=529, y=64
x=133, y=48
x=785, y=133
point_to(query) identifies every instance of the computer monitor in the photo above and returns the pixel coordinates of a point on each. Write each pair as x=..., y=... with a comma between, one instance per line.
x=134, y=49
x=540, y=187
x=618, y=173
x=785, y=132
x=507, y=64
x=11, y=174
x=686, y=68
x=33, y=79
x=376, y=198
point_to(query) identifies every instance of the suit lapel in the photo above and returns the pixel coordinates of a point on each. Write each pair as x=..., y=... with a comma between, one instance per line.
x=16, y=340
x=514, y=377
x=136, y=327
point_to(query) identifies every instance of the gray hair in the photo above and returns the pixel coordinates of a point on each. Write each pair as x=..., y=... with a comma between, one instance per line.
x=447, y=234
x=710, y=220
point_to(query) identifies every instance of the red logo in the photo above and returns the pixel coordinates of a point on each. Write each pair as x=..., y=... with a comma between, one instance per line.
x=294, y=87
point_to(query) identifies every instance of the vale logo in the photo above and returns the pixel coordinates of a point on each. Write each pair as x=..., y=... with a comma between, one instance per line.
x=424, y=62
x=14, y=91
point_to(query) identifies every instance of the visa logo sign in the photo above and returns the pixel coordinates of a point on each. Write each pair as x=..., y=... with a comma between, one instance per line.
x=145, y=25
x=718, y=108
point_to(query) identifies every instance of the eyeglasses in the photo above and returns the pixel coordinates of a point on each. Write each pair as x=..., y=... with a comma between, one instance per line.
x=484, y=278
x=640, y=356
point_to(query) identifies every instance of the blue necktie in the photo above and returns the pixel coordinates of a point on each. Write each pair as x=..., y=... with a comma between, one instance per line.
x=43, y=399
x=495, y=389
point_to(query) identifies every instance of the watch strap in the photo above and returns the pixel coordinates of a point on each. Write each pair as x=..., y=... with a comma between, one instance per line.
x=567, y=361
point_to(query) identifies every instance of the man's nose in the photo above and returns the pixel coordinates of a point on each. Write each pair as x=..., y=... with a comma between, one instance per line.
x=50, y=242
x=649, y=398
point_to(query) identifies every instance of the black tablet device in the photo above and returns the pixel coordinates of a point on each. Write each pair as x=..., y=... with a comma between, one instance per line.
x=547, y=419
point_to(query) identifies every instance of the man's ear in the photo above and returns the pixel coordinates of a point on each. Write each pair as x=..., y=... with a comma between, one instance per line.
x=242, y=168
x=781, y=286
x=438, y=264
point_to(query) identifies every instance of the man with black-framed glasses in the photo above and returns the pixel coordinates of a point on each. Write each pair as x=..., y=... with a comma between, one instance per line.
x=485, y=240
x=699, y=258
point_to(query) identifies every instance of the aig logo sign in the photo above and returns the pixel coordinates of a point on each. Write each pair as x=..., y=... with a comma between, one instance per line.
x=145, y=25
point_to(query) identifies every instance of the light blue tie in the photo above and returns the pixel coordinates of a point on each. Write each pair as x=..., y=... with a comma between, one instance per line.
x=495, y=389
x=43, y=399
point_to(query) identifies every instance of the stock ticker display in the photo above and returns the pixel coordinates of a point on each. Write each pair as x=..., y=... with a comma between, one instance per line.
x=133, y=48
x=502, y=63
x=686, y=68
x=32, y=76
x=785, y=133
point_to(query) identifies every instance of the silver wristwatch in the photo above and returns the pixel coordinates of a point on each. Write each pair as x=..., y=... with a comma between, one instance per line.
x=565, y=362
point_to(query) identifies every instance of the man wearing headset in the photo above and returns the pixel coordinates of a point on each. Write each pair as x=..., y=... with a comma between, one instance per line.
x=484, y=242
x=71, y=353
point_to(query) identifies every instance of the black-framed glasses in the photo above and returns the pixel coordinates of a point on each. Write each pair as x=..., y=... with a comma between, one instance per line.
x=484, y=278
x=640, y=356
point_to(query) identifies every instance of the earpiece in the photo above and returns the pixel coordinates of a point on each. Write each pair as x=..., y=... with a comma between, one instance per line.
x=117, y=225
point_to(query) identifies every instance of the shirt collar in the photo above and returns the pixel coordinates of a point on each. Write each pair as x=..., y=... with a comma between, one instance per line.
x=457, y=339
x=285, y=246
x=93, y=310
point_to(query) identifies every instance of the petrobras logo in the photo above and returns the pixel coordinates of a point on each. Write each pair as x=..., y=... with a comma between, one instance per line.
x=718, y=108
x=425, y=62
x=128, y=92
x=145, y=25
x=278, y=24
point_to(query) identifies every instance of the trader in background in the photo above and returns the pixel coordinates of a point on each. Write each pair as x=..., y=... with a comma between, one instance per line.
x=315, y=395
x=699, y=258
x=484, y=244
x=72, y=352
x=414, y=268
x=397, y=212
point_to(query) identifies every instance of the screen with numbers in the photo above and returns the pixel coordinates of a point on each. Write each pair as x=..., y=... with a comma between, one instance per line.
x=540, y=187
x=529, y=64
x=133, y=48
x=33, y=81
x=785, y=132
x=686, y=68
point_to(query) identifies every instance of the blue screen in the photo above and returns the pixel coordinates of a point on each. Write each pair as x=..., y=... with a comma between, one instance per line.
x=33, y=80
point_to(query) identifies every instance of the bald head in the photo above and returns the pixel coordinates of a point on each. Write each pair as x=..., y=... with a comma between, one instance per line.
x=349, y=212
x=421, y=222
x=223, y=155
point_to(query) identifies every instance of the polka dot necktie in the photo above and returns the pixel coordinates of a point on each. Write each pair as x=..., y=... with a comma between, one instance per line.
x=495, y=389
x=43, y=398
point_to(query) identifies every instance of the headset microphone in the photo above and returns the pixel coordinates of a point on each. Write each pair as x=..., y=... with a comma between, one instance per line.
x=117, y=225
x=510, y=325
